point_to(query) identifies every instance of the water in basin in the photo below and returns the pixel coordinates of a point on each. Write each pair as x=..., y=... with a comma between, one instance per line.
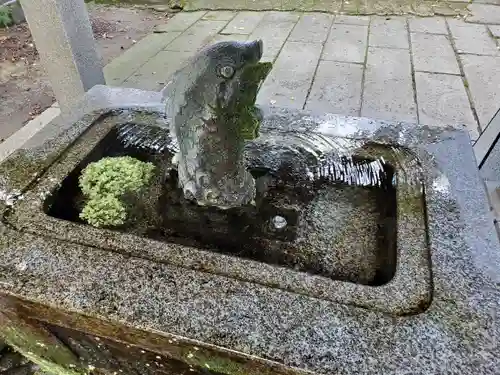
x=323, y=205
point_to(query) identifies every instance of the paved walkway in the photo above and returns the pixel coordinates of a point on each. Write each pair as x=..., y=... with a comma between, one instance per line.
x=432, y=71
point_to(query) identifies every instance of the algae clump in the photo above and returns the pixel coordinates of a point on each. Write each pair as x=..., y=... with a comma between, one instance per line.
x=109, y=185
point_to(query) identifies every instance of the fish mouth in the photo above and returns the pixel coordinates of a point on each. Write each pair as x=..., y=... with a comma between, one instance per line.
x=255, y=50
x=259, y=47
x=255, y=73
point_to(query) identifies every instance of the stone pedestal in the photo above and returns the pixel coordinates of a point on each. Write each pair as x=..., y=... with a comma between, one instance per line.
x=63, y=36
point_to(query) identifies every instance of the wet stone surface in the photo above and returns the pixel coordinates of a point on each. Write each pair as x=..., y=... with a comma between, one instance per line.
x=345, y=231
x=293, y=171
x=261, y=318
x=334, y=229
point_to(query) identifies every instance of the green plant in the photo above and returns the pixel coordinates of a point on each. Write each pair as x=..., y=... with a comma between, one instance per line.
x=5, y=16
x=107, y=184
x=107, y=211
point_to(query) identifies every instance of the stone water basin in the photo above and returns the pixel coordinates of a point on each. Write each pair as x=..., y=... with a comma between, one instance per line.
x=335, y=218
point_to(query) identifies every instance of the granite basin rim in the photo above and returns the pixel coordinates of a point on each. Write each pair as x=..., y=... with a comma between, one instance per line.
x=412, y=275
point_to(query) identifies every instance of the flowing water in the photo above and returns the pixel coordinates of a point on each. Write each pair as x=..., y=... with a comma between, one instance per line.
x=324, y=205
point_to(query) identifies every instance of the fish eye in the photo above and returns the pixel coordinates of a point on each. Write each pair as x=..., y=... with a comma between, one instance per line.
x=227, y=71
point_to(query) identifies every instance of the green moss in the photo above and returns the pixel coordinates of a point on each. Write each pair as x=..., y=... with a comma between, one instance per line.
x=217, y=364
x=226, y=365
x=115, y=176
x=249, y=120
x=5, y=17
x=53, y=359
x=104, y=211
x=410, y=204
x=243, y=114
x=20, y=168
x=49, y=367
x=107, y=183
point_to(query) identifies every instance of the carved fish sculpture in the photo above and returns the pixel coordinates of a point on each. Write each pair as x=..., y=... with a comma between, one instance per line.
x=211, y=104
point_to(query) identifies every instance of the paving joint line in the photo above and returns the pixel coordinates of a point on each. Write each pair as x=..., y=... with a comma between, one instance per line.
x=231, y=20
x=412, y=70
x=430, y=72
x=317, y=65
x=464, y=78
x=286, y=39
x=477, y=54
x=344, y=61
x=426, y=33
x=164, y=47
x=365, y=64
x=283, y=45
x=384, y=47
x=192, y=25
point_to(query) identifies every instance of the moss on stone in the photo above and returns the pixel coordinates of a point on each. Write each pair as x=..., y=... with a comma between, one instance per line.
x=107, y=185
x=217, y=364
x=5, y=16
x=115, y=176
x=104, y=211
x=51, y=358
x=249, y=119
x=243, y=114
x=20, y=168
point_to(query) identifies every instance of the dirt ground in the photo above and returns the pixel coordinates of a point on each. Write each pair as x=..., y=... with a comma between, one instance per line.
x=24, y=89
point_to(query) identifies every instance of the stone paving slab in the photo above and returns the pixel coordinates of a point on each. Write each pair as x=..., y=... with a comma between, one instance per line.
x=494, y=30
x=243, y=23
x=433, y=53
x=154, y=73
x=274, y=30
x=312, y=28
x=228, y=37
x=483, y=79
x=337, y=88
x=323, y=62
x=352, y=20
x=388, y=91
x=346, y=43
x=434, y=25
x=132, y=59
x=442, y=100
x=218, y=15
x=471, y=38
x=290, y=80
x=197, y=36
x=484, y=13
x=280, y=17
x=180, y=22
x=388, y=33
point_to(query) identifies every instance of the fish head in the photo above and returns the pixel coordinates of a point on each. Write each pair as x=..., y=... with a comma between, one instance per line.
x=217, y=82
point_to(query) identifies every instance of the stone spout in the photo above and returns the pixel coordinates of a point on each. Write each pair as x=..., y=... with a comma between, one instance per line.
x=211, y=103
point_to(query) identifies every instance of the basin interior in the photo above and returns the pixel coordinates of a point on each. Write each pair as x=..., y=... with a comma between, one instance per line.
x=336, y=230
